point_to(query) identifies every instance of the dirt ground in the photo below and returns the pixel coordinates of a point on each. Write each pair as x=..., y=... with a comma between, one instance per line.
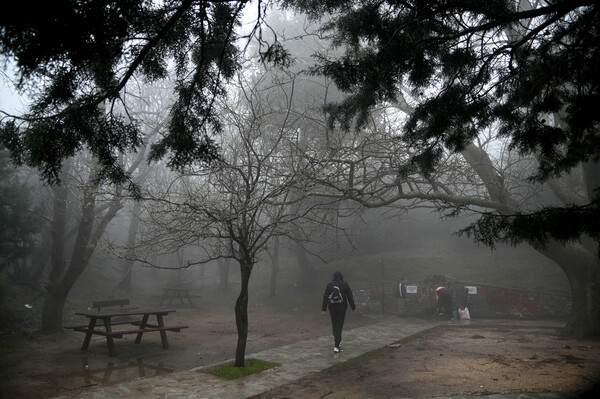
x=461, y=360
x=473, y=359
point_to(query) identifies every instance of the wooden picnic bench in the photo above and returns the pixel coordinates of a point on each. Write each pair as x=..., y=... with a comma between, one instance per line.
x=178, y=291
x=109, y=320
x=122, y=304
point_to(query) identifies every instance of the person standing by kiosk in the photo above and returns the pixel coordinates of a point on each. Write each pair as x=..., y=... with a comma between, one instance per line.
x=444, y=301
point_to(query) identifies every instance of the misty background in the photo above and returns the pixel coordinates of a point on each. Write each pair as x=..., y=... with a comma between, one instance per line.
x=136, y=242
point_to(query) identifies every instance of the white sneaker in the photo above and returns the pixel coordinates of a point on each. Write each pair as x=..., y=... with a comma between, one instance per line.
x=337, y=350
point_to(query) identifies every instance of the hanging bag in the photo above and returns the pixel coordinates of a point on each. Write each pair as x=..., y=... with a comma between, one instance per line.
x=463, y=314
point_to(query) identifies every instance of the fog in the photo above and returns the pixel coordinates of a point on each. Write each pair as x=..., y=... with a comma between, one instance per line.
x=412, y=246
x=438, y=155
x=371, y=247
x=134, y=247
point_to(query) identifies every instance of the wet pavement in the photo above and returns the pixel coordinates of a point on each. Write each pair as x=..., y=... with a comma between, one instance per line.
x=296, y=360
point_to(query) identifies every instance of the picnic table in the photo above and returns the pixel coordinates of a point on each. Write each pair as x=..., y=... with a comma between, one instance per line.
x=178, y=291
x=108, y=321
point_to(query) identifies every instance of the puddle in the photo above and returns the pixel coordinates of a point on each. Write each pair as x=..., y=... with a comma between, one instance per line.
x=95, y=371
x=90, y=372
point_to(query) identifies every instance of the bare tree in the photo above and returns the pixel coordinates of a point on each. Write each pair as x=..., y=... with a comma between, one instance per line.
x=150, y=105
x=239, y=205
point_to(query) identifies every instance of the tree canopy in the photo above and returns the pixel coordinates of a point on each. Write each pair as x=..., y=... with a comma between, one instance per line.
x=75, y=58
x=529, y=71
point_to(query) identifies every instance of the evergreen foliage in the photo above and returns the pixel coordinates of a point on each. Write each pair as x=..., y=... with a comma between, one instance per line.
x=75, y=58
x=533, y=75
x=559, y=223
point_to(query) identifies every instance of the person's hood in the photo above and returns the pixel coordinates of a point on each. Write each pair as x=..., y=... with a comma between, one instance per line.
x=337, y=276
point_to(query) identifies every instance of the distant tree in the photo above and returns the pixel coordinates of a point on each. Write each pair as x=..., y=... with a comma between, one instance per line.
x=224, y=266
x=273, y=252
x=300, y=39
x=21, y=221
x=528, y=73
x=150, y=105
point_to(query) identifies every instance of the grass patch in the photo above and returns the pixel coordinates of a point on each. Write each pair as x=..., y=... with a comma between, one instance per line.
x=230, y=372
x=477, y=336
x=124, y=357
x=12, y=343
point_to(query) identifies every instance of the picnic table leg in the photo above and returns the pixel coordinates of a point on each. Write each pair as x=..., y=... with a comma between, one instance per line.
x=138, y=339
x=109, y=338
x=163, y=333
x=88, y=334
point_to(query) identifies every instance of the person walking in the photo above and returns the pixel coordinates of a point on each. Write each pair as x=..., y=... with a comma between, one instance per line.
x=337, y=296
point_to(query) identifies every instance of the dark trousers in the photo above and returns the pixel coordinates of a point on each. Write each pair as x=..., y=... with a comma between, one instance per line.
x=445, y=306
x=337, y=323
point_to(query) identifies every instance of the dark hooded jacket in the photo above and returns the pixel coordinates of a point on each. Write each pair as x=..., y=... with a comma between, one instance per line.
x=338, y=278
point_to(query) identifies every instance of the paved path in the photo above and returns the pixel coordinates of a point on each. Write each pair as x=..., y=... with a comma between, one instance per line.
x=296, y=360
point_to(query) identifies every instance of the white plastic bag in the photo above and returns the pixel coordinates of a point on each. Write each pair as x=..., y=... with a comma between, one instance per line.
x=463, y=314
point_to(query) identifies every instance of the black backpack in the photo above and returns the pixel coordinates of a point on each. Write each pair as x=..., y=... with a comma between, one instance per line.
x=336, y=293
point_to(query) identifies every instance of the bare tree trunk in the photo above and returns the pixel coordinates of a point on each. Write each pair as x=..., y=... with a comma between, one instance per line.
x=307, y=269
x=591, y=177
x=52, y=310
x=40, y=261
x=581, y=269
x=241, y=313
x=274, y=256
x=62, y=279
x=126, y=283
x=224, y=273
x=585, y=267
